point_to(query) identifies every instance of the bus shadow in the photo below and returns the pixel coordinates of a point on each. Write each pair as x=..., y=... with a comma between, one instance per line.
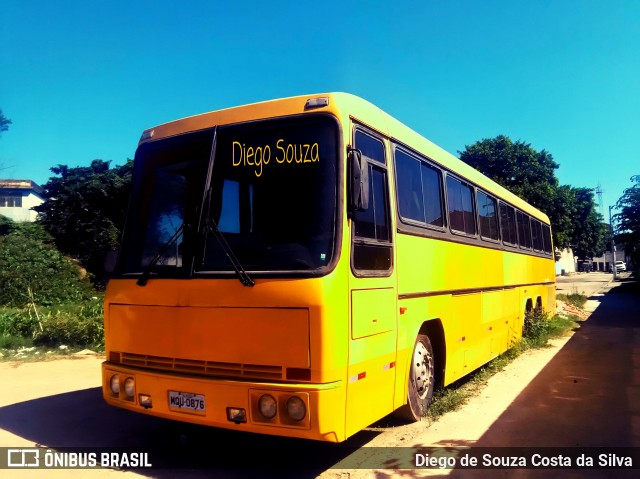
x=585, y=396
x=83, y=422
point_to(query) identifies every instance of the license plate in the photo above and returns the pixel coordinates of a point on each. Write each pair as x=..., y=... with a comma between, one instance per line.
x=187, y=402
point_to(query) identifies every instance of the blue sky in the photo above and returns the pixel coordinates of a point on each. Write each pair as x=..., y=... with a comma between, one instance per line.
x=81, y=79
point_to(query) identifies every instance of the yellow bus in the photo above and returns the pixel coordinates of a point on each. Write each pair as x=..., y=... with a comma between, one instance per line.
x=305, y=266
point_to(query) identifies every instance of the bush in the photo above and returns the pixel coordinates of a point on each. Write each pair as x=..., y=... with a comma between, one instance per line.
x=18, y=322
x=83, y=327
x=71, y=325
x=6, y=225
x=536, y=326
x=539, y=327
x=33, y=271
x=8, y=341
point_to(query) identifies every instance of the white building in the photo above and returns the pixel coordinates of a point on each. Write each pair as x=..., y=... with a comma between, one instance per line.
x=604, y=262
x=566, y=264
x=17, y=197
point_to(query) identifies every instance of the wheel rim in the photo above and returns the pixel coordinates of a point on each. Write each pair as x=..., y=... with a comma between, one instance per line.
x=421, y=369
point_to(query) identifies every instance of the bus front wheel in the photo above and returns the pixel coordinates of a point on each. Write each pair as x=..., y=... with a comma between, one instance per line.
x=421, y=380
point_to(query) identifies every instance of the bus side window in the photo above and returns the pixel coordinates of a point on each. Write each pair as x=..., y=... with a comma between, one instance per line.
x=524, y=230
x=460, y=204
x=419, y=187
x=546, y=239
x=488, y=213
x=508, y=225
x=536, y=234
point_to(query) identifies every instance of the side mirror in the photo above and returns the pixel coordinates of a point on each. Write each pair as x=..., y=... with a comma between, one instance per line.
x=111, y=260
x=359, y=169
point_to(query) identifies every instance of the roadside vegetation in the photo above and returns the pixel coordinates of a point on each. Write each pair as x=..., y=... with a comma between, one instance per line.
x=574, y=298
x=539, y=328
x=46, y=300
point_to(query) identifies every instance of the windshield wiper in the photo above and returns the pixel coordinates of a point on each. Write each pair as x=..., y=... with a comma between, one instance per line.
x=142, y=281
x=211, y=225
x=243, y=276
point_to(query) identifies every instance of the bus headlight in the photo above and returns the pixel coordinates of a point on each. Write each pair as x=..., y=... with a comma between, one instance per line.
x=296, y=408
x=130, y=387
x=267, y=406
x=114, y=382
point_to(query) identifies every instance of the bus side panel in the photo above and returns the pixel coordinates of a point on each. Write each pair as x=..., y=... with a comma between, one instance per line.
x=511, y=307
x=372, y=357
x=466, y=308
x=550, y=303
x=495, y=322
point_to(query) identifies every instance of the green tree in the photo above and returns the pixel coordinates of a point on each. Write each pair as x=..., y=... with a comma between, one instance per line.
x=589, y=229
x=84, y=210
x=561, y=211
x=32, y=270
x=4, y=122
x=628, y=220
x=6, y=225
x=516, y=166
x=4, y=126
x=529, y=174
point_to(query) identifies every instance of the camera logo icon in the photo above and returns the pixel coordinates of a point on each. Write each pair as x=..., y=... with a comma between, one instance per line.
x=24, y=457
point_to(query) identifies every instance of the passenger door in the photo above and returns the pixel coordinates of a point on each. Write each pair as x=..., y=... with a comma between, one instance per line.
x=373, y=331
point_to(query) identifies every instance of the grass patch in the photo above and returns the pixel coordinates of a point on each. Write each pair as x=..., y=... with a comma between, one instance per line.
x=13, y=341
x=43, y=353
x=448, y=399
x=574, y=298
x=68, y=327
x=80, y=325
x=539, y=328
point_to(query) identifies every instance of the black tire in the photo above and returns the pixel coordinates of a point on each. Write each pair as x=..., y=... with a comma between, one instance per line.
x=421, y=381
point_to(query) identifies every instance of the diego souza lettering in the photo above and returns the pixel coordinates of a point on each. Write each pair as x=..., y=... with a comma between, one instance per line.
x=537, y=460
x=503, y=461
x=285, y=154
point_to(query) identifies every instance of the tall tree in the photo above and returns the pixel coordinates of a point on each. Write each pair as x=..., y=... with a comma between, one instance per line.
x=516, y=166
x=4, y=126
x=561, y=211
x=589, y=228
x=529, y=174
x=85, y=210
x=4, y=122
x=628, y=227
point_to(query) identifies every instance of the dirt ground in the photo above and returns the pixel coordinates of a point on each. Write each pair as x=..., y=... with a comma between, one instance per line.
x=455, y=428
x=466, y=425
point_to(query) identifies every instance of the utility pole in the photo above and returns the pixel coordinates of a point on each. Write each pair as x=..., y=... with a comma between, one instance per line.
x=613, y=248
x=599, y=192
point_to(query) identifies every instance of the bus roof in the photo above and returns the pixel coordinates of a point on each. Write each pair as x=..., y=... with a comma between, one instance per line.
x=343, y=106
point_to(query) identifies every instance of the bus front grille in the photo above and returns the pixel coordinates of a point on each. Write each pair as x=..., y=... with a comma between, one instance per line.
x=204, y=368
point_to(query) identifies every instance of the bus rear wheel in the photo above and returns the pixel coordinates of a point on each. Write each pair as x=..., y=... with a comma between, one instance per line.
x=421, y=381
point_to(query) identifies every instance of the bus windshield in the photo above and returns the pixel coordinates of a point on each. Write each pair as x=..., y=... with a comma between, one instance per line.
x=272, y=194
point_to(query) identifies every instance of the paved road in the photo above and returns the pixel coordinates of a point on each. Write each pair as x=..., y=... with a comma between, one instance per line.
x=586, y=283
